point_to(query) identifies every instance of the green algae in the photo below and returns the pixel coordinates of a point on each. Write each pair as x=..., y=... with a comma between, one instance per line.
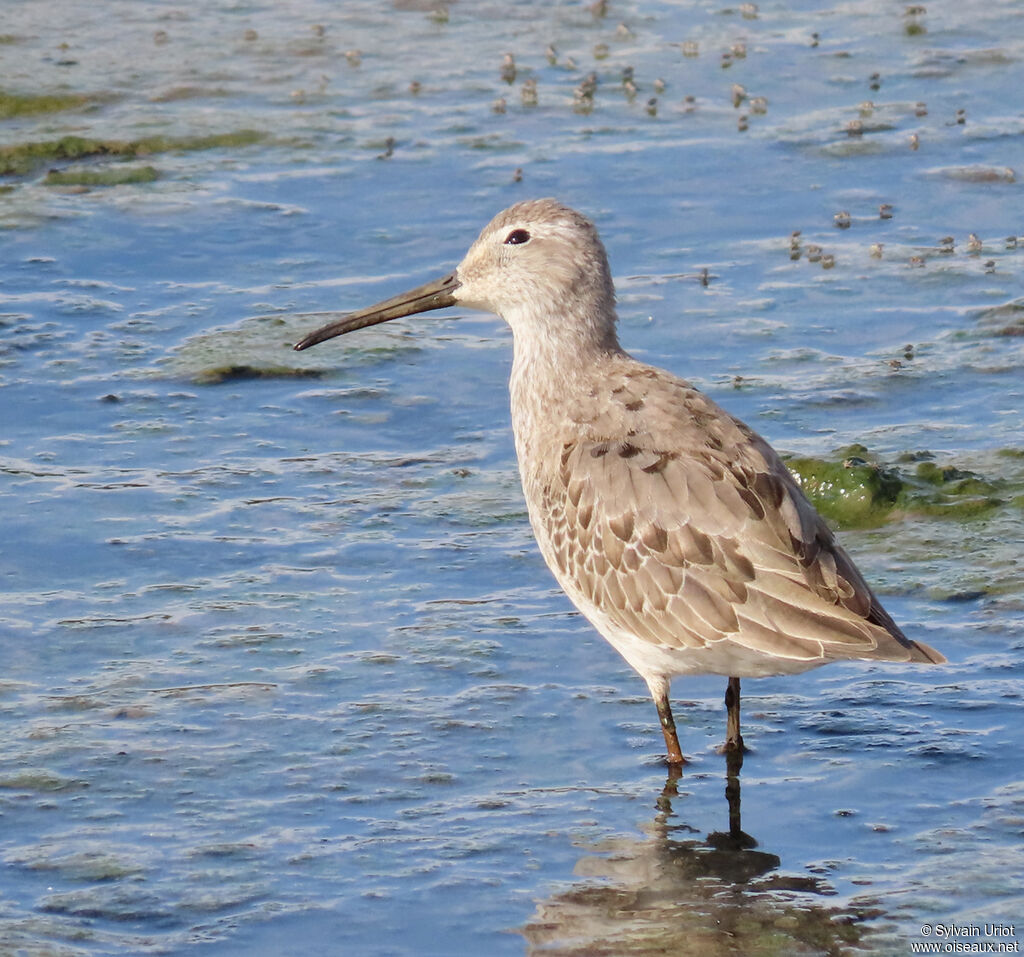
x=853, y=492
x=856, y=490
x=216, y=375
x=39, y=779
x=1005, y=320
x=112, y=176
x=939, y=490
x=260, y=347
x=92, y=863
x=22, y=158
x=31, y=104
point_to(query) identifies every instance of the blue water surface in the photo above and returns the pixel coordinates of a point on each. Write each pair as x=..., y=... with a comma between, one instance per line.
x=283, y=672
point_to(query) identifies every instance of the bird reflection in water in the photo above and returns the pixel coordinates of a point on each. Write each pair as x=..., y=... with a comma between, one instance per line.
x=676, y=893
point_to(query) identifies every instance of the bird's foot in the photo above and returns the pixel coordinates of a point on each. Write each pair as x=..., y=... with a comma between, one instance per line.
x=733, y=745
x=675, y=764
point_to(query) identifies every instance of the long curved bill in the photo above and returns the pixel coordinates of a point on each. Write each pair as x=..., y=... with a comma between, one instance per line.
x=432, y=295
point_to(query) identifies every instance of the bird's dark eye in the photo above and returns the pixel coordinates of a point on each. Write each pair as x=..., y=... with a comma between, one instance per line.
x=517, y=237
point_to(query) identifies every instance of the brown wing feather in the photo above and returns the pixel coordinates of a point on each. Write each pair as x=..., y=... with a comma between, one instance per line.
x=687, y=529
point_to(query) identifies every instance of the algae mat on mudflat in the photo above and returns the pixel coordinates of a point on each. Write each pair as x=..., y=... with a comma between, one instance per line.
x=22, y=158
x=857, y=490
x=107, y=176
x=31, y=104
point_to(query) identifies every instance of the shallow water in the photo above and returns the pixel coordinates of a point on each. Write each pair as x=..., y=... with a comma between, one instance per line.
x=283, y=671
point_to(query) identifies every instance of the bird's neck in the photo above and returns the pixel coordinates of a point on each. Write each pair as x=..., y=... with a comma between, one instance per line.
x=552, y=340
x=558, y=357
x=555, y=369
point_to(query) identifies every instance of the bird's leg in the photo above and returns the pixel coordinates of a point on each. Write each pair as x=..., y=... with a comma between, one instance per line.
x=733, y=738
x=668, y=728
x=659, y=691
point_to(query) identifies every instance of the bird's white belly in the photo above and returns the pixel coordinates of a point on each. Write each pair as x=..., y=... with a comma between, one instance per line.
x=724, y=657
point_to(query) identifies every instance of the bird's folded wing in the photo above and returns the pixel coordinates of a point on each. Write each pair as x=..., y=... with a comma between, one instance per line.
x=686, y=545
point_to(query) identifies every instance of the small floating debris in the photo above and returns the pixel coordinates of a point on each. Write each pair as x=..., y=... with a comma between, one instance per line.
x=629, y=83
x=912, y=16
x=508, y=69
x=583, y=95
